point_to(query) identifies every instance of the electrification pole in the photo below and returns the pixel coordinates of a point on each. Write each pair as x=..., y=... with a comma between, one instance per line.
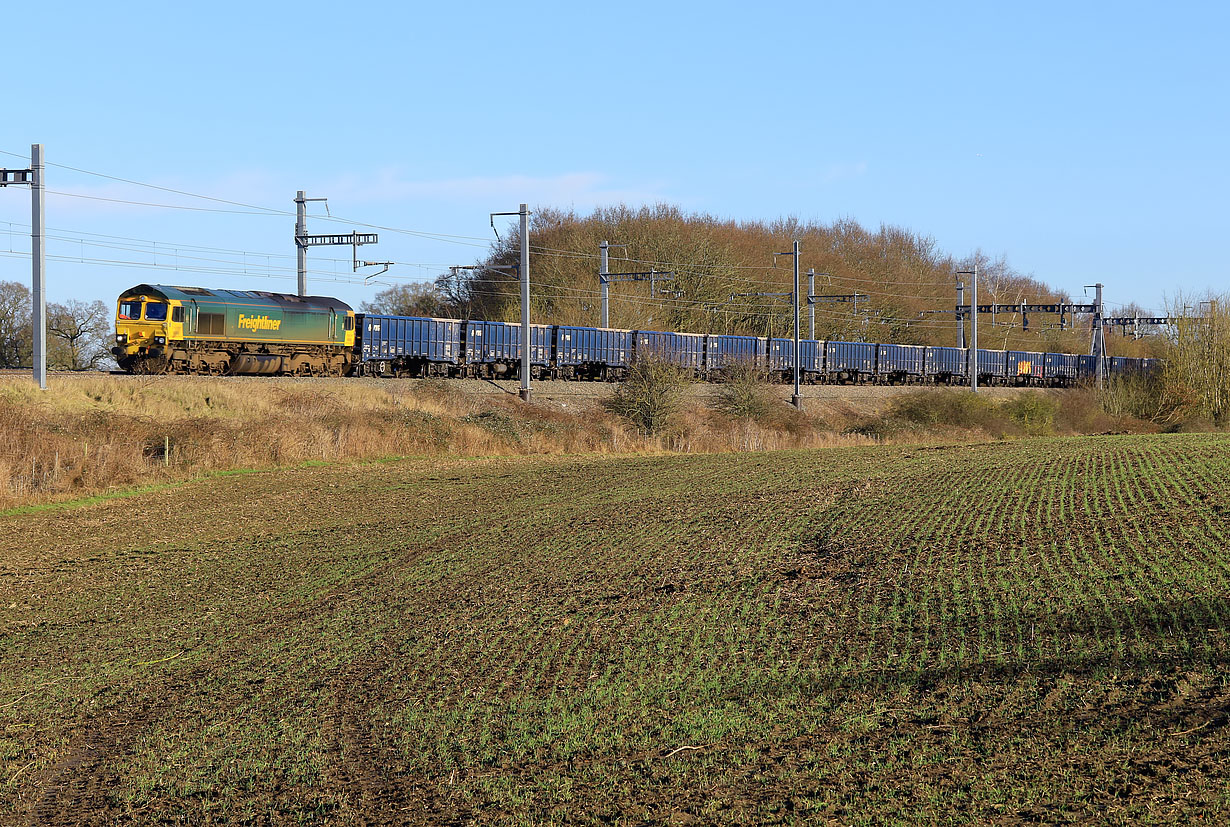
x=604, y=284
x=524, y=212
x=652, y=275
x=33, y=178
x=604, y=279
x=1098, y=346
x=303, y=240
x=973, y=331
x=300, y=250
x=797, y=398
x=38, y=256
x=973, y=327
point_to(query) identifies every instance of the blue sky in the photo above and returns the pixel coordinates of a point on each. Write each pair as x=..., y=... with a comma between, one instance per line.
x=1085, y=142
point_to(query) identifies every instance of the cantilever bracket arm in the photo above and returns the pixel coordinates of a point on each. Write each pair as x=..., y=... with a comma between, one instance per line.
x=383, y=265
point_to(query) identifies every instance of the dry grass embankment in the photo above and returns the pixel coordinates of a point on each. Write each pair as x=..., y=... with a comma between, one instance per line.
x=91, y=433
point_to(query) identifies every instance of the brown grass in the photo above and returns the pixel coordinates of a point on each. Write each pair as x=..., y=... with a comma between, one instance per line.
x=88, y=434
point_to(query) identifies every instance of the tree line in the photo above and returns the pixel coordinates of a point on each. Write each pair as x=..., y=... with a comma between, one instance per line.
x=904, y=277
x=79, y=333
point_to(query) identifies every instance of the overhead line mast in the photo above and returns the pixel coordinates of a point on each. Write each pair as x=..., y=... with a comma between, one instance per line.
x=524, y=214
x=303, y=241
x=972, y=360
x=33, y=177
x=797, y=398
x=605, y=277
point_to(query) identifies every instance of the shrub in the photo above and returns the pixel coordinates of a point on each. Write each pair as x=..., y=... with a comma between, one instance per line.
x=945, y=407
x=650, y=394
x=1145, y=397
x=745, y=392
x=1034, y=413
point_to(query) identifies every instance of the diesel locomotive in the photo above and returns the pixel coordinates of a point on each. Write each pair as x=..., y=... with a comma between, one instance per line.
x=161, y=329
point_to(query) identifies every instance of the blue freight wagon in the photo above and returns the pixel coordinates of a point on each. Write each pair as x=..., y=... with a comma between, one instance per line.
x=1025, y=367
x=493, y=349
x=684, y=349
x=900, y=363
x=1125, y=365
x=849, y=361
x=946, y=364
x=781, y=358
x=408, y=345
x=992, y=365
x=1061, y=368
x=722, y=352
x=592, y=353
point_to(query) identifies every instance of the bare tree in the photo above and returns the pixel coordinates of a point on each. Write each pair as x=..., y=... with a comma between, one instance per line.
x=480, y=294
x=79, y=335
x=1196, y=373
x=16, y=332
x=414, y=299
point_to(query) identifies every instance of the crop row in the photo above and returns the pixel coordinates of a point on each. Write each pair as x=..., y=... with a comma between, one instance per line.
x=739, y=637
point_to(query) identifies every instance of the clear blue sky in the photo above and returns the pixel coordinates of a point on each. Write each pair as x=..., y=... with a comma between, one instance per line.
x=1084, y=141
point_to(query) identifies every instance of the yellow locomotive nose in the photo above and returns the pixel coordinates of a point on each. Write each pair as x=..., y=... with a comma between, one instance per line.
x=141, y=329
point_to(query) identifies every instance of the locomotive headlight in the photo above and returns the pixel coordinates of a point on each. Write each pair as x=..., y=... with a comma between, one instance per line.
x=121, y=338
x=162, y=340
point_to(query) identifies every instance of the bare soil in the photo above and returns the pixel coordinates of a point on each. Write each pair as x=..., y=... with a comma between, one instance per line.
x=1015, y=633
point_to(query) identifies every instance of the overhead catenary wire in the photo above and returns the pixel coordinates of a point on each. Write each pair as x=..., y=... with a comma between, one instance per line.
x=576, y=254
x=323, y=275
x=699, y=270
x=259, y=209
x=748, y=308
x=174, y=246
x=150, y=204
x=460, y=239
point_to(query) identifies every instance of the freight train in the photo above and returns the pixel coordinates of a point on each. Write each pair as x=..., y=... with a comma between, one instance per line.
x=162, y=329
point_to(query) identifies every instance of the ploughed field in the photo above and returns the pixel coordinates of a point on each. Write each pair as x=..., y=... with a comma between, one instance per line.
x=1016, y=632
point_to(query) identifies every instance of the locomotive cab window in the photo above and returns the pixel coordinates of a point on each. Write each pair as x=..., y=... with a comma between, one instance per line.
x=130, y=310
x=350, y=322
x=155, y=312
x=177, y=314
